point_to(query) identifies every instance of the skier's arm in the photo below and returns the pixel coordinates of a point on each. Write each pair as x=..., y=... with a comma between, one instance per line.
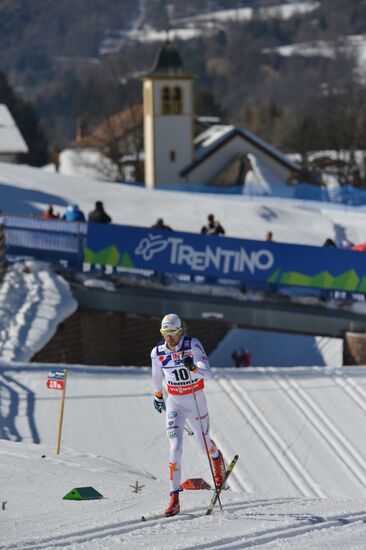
x=200, y=359
x=157, y=373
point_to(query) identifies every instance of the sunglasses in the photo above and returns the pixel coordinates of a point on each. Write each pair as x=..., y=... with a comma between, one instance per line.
x=171, y=332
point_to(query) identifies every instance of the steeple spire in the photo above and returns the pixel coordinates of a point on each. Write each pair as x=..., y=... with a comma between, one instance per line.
x=168, y=62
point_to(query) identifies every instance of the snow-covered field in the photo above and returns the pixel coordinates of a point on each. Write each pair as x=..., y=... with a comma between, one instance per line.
x=300, y=480
x=300, y=432
x=25, y=190
x=200, y=24
x=33, y=302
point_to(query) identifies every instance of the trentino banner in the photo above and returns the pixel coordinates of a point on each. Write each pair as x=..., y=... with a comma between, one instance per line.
x=211, y=256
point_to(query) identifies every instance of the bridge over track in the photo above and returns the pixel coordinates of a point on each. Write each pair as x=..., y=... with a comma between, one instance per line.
x=272, y=312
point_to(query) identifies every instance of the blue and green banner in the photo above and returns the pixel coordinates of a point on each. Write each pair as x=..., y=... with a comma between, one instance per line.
x=211, y=256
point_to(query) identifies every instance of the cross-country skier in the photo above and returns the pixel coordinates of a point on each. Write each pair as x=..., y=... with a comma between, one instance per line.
x=172, y=359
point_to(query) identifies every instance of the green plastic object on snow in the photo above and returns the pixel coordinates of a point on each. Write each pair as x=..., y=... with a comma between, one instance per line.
x=82, y=493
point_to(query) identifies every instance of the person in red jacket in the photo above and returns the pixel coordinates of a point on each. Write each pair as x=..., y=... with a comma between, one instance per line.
x=50, y=215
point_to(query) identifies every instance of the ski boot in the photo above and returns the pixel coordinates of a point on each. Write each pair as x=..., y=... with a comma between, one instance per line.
x=219, y=469
x=173, y=507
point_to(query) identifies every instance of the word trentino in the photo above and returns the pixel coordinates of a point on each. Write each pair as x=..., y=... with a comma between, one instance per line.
x=222, y=259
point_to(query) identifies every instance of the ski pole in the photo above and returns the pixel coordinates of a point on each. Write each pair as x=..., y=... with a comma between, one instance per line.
x=204, y=440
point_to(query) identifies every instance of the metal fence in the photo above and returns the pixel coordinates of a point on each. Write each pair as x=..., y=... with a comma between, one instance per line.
x=51, y=240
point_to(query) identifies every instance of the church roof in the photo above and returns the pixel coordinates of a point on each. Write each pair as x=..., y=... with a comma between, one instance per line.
x=168, y=63
x=215, y=137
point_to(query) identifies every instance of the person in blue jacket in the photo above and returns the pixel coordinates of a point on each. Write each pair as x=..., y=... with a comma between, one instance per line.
x=73, y=214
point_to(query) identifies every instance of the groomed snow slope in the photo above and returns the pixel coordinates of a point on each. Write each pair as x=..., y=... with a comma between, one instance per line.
x=299, y=432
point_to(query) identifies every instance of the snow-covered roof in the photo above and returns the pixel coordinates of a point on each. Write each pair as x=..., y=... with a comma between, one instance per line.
x=11, y=140
x=217, y=135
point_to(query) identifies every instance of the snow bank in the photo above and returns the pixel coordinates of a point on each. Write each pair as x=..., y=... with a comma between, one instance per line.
x=33, y=302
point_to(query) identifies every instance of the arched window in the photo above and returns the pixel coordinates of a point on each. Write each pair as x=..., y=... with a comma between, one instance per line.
x=165, y=101
x=171, y=101
x=177, y=101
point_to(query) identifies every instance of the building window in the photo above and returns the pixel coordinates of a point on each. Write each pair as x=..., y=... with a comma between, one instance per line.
x=165, y=101
x=177, y=101
x=172, y=156
x=171, y=101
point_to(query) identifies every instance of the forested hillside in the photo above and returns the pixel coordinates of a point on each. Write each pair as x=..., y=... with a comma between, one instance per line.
x=84, y=59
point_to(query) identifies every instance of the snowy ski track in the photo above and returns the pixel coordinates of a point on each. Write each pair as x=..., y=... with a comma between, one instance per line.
x=125, y=527
x=300, y=479
x=305, y=525
x=259, y=538
x=290, y=419
x=321, y=423
x=347, y=384
x=270, y=438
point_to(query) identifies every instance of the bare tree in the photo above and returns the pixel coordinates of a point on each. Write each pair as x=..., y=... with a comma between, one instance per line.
x=118, y=133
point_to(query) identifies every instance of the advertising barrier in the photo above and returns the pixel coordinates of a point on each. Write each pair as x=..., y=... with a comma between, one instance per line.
x=49, y=240
x=220, y=257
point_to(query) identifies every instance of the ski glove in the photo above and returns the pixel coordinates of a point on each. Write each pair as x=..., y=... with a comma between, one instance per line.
x=159, y=402
x=189, y=363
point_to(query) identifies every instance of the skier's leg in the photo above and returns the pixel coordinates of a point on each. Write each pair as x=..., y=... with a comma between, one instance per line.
x=203, y=423
x=175, y=418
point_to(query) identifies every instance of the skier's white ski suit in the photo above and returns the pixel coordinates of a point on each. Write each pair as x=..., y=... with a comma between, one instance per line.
x=180, y=404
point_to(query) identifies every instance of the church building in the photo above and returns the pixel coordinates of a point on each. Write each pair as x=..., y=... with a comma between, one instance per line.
x=168, y=118
x=157, y=142
x=217, y=156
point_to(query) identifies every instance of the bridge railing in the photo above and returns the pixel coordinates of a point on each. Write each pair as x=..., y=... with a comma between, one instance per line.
x=138, y=250
x=50, y=240
x=268, y=264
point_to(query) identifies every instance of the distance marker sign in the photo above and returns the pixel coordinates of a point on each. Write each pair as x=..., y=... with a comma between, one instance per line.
x=56, y=380
x=55, y=384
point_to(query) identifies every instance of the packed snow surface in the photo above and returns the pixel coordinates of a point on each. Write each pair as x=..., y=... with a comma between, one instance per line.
x=25, y=190
x=300, y=480
x=33, y=301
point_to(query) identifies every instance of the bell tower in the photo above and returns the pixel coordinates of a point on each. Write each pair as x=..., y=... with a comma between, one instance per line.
x=168, y=118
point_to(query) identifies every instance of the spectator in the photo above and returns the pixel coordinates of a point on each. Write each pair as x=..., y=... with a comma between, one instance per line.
x=159, y=224
x=246, y=358
x=50, y=215
x=269, y=236
x=241, y=357
x=236, y=357
x=346, y=243
x=99, y=215
x=73, y=214
x=213, y=227
x=360, y=247
x=329, y=243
